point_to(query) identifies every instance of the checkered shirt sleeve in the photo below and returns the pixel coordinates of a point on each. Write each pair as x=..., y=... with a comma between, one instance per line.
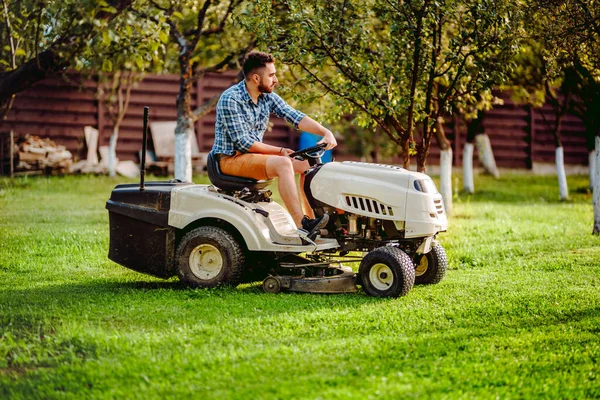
x=283, y=110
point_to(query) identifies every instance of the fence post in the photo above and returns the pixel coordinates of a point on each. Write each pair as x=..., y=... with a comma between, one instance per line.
x=531, y=135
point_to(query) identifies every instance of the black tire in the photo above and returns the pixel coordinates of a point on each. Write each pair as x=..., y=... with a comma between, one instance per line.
x=202, y=247
x=378, y=282
x=431, y=268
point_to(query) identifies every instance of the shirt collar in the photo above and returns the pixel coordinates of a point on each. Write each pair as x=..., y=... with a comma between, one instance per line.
x=245, y=94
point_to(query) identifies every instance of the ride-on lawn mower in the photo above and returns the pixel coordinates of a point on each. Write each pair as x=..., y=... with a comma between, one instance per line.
x=230, y=232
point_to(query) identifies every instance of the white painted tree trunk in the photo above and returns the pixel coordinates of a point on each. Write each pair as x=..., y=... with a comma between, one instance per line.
x=446, y=179
x=592, y=166
x=183, y=155
x=468, y=184
x=561, y=174
x=112, y=152
x=596, y=192
x=486, y=155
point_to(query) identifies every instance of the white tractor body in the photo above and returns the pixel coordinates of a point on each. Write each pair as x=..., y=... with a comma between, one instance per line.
x=384, y=192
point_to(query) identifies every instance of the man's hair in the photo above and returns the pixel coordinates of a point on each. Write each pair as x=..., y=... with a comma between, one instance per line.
x=255, y=60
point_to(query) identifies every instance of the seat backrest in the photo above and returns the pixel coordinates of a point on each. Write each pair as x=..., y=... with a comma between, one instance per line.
x=230, y=182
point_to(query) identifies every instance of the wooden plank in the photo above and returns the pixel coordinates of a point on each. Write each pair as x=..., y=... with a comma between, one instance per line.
x=163, y=137
x=48, y=118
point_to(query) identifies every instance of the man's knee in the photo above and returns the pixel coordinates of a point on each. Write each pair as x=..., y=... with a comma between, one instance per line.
x=279, y=165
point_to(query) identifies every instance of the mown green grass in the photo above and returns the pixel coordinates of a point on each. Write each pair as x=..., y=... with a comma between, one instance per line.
x=517, y=316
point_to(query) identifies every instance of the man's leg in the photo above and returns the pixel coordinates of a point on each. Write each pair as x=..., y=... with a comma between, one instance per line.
x=300, y=167
x=283, y=169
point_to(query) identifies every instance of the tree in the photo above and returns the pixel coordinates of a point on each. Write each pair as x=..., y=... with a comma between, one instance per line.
x=544, y=77
x=572, y=29
x=397, y=66
x=131, y=46
x=45, y=37
x=473, y=116
x=206, y=41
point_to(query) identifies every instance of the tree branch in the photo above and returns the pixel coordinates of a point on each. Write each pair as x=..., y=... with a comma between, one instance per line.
x=232, y=4
x=50, y=60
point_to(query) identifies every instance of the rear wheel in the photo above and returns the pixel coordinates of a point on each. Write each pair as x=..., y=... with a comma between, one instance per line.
x=387, y=272
x=209, y=256
x=431, y=268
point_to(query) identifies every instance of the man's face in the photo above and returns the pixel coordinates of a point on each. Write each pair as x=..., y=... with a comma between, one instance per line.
x=268, y=79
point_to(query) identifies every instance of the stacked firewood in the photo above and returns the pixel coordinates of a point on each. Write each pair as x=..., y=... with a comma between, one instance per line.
x=37, y=154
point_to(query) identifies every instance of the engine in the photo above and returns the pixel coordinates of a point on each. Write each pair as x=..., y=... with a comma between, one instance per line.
x=373, y=204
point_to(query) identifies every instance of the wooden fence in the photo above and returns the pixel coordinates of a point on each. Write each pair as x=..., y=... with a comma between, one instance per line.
x=59, y=109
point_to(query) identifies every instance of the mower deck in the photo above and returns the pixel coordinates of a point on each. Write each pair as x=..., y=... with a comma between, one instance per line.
x=296, y=274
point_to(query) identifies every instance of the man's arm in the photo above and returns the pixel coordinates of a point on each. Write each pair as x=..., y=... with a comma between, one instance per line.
x=263, y=148
x=302, y=121
x=310, y=125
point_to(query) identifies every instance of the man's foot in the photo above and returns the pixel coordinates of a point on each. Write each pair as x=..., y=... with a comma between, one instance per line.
x=312, y=226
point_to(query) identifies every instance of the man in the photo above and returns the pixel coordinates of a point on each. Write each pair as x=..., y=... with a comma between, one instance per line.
x=242, y=118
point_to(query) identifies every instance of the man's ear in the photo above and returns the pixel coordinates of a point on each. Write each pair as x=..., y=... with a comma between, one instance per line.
x=255, y=78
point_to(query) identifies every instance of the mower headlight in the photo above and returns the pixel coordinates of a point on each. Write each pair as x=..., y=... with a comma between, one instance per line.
x=425, y=186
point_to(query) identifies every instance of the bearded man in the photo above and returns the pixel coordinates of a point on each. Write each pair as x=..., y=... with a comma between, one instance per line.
x=242, y=117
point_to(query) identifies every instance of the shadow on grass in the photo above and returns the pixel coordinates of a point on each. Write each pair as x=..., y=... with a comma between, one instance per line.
x=102, y=298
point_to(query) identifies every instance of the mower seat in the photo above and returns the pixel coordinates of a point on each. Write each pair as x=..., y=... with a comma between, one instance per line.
x=231, y=183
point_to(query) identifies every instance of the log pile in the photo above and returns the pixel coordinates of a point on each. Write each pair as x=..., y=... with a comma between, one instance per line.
x=43, y=155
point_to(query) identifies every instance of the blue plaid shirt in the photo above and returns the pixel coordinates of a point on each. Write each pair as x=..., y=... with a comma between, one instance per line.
x=240, y=122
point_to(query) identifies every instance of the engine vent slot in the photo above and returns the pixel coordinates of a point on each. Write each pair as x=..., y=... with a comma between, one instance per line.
x=364, y=204
x=438, y=206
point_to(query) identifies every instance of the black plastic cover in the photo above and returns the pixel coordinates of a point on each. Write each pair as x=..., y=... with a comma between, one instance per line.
x=150, y=205
x=140, y=238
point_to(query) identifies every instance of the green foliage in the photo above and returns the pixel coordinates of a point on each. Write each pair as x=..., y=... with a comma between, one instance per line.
x=134, y=41
x=368, y=54
x=34, y=26
x=208, y=44
x=520, y=300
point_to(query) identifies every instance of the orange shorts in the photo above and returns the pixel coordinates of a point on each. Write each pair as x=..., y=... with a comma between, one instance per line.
x=246, y=165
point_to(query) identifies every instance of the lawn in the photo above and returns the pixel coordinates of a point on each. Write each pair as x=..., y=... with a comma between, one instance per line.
x=517, y=316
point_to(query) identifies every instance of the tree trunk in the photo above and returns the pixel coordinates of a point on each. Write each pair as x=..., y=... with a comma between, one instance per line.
x=592, y=168
x=184, y=130
x=596, y=196
x=445, y=165
x=474, y=128
x=446, y=178
x=112, y=151
x=561, y=174
x=560, y=154
x=184, y=133
x=486, y=155
x=468, y=183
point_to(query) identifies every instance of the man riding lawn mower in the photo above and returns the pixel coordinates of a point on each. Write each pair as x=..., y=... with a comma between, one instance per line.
x=222, y=234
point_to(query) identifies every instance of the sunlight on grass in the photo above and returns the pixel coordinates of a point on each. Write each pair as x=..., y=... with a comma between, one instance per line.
x=517, y=315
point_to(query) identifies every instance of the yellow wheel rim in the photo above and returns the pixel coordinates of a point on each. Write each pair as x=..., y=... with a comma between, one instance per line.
x=381, y=276
x=206, y=261
x=422, y=266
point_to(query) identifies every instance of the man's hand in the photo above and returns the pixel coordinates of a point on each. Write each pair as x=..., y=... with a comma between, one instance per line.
x=285, y=152
x=328, y=139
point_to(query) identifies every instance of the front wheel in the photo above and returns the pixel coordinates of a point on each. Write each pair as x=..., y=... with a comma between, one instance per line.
x=209, y=256
x=387, y=272
x=430, y=268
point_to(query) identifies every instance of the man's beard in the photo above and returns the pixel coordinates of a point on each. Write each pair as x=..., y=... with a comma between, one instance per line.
x=264, y=88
